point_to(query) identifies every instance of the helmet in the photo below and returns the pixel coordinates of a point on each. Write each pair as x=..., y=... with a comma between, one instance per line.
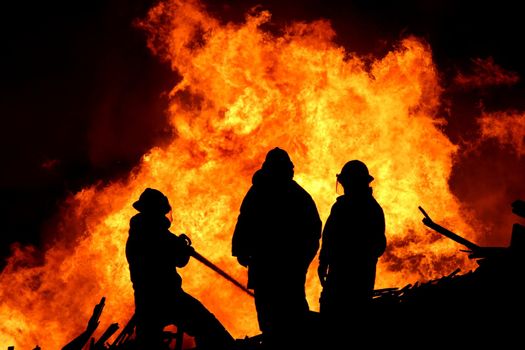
x=152, y=200
x=278, y=162
x=277, y=158
x=354, y=171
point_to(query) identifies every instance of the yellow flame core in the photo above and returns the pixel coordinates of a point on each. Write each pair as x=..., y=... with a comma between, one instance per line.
x=243, y=92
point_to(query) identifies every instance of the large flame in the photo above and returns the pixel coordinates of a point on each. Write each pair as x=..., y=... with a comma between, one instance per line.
x=243, y=92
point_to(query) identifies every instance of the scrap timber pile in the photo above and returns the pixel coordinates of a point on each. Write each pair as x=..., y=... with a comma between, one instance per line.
x=125, y=339
x=487, y=303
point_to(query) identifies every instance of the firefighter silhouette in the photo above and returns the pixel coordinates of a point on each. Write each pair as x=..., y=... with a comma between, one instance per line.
x=353, y=240
x=154, y=254
x=277, y=236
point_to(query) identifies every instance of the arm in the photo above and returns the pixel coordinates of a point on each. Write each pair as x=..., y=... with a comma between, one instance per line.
x=242, y=235
x=181, y=250
x=326, y=248
x=313, y=230
x=378, y=230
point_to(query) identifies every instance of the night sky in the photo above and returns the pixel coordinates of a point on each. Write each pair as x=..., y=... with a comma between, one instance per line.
x=82, y=98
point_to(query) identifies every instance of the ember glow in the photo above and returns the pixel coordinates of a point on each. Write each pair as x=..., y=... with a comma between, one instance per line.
x=508, y=129
x=485, y=72
x=243, y=92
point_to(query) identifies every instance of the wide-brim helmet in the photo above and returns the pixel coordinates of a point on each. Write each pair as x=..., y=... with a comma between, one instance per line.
x=354, y=171
x=152, y=201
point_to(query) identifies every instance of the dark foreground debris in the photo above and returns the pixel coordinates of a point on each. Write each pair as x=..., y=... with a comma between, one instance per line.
x=480, y=308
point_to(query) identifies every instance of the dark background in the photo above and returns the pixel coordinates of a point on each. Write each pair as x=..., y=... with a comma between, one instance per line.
x=82, y=98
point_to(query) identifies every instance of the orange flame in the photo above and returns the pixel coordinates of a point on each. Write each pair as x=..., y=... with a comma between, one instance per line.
x=243, y=92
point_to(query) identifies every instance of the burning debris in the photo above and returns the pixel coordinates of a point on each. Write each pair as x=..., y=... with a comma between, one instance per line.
x=488, y=291
x=485, y=298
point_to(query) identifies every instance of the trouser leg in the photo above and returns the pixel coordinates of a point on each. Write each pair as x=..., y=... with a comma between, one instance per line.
x=149, y=334
x=200, y=323
x=282, y=313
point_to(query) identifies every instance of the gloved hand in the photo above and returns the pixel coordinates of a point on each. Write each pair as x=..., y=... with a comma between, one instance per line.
x=185, y=238
x=243, y=260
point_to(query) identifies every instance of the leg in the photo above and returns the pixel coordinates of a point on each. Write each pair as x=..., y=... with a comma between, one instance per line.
x=282, y=312
x=149, y=333
x=200, y=323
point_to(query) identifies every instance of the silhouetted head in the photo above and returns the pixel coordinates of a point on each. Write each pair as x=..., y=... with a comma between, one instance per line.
x=152, y=201
x=354, y=174
x=278, y=163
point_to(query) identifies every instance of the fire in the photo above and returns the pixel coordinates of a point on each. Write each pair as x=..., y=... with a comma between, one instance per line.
x=507, y=128
x=244, y=91
x=484, y=73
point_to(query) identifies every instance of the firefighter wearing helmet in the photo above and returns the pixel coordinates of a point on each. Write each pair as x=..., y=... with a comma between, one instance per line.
x=276, y=237
x=353, y=239
x=154, y=254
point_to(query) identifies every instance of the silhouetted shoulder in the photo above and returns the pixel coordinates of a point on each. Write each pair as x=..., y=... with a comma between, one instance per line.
x=300, y=190
x=375, y=205
x=136, y=224
x=249, y=200
x=258, y=177
x=135, y=220
x=341, y=204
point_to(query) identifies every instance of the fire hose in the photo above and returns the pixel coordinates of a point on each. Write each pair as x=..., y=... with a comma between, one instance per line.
x=221, y=272
x=214, y=267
